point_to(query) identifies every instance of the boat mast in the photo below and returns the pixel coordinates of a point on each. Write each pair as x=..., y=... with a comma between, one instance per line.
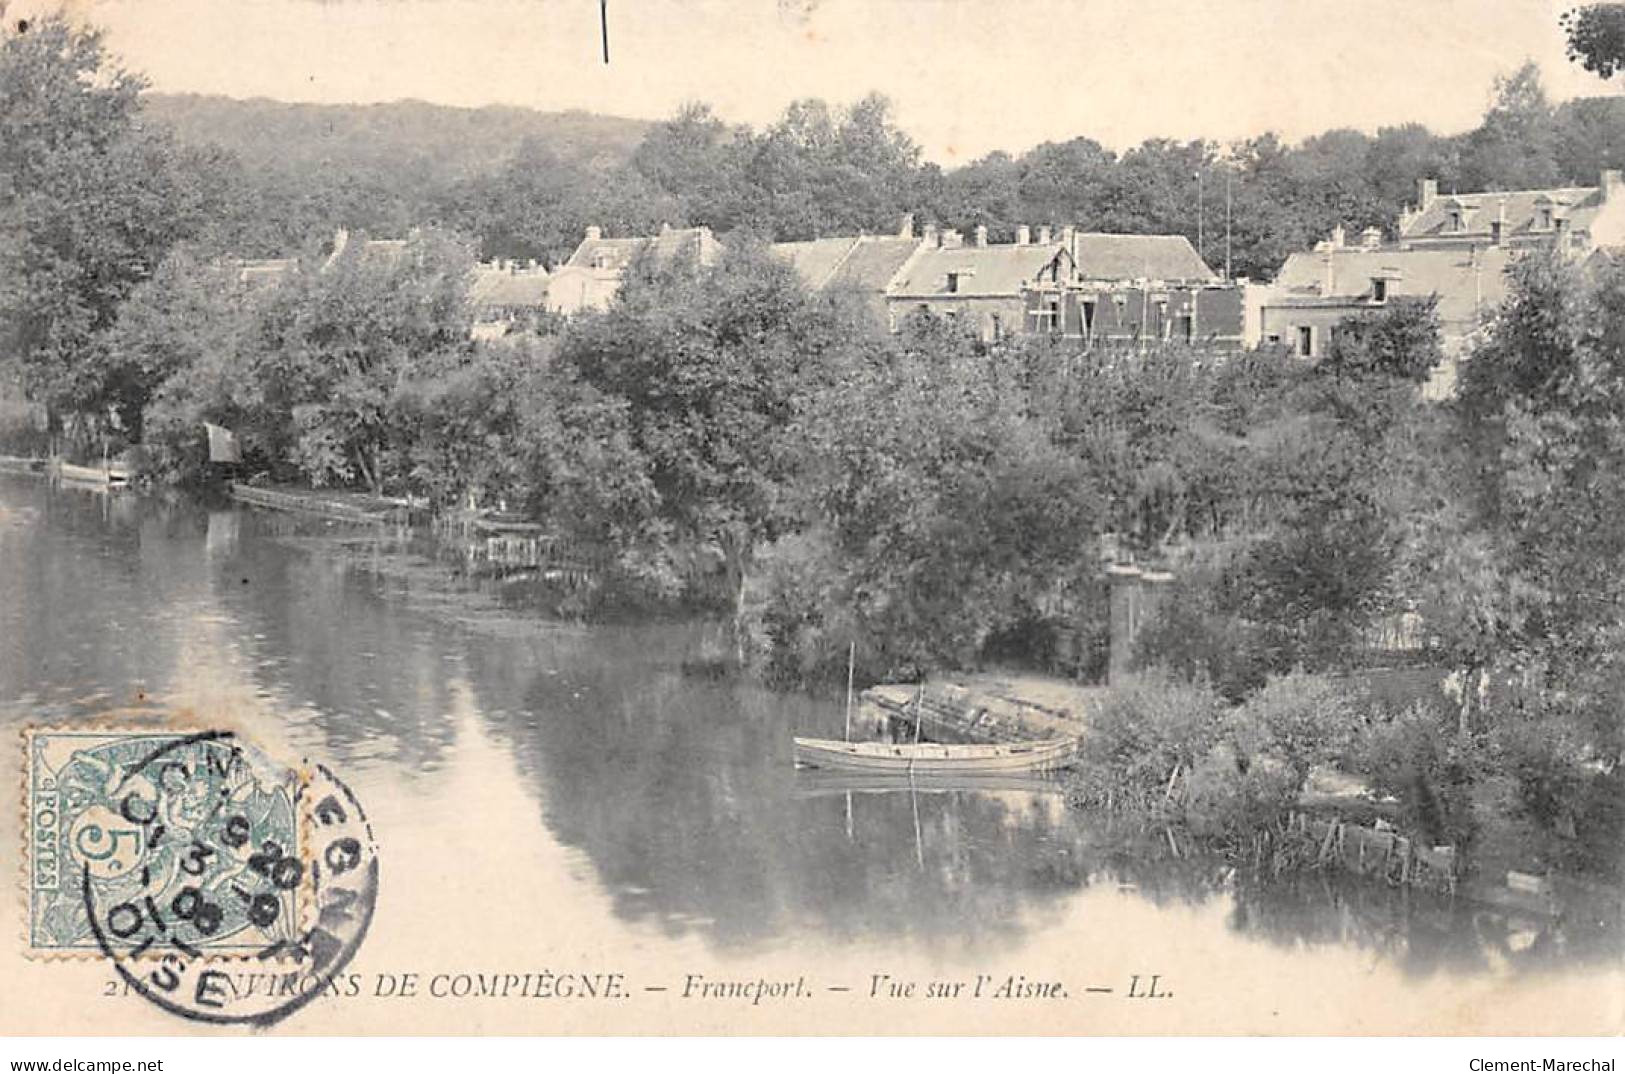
x=851, y=658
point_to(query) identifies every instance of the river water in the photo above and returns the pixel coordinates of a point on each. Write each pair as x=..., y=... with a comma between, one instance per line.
x=551, y=795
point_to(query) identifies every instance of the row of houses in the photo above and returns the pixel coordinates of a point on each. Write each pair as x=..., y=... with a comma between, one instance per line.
x=1453, y=248
x=1092, y=287
x=1080, y=285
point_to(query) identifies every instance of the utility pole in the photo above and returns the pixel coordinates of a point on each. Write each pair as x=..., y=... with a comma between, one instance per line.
x=1227, y=177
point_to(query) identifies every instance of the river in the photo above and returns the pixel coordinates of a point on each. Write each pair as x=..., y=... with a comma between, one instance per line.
x=559, y=795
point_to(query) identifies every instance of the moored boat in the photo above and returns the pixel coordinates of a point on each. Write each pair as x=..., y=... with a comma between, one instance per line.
x=944, y=758
x=832, y=782
x=108, y=475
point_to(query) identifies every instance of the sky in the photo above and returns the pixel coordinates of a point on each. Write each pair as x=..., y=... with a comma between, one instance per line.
x=966, y=76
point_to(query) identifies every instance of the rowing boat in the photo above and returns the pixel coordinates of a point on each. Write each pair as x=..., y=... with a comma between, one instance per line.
x=108, y=475
x=943, y=758
x=832, y=782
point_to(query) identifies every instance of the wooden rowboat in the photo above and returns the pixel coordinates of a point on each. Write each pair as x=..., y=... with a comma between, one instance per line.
x=941, y=758
x=108, y=475
x=833, y=782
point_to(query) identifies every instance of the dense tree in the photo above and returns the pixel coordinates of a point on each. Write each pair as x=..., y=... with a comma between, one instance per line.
x=540, y=203
x=308, y=371
x=824, y=169
x=696, y=159
x=191, y=316
x=710, y=364
x=89, y=203
x=1539, y=410
x=1596, y=37
x=1515, y=148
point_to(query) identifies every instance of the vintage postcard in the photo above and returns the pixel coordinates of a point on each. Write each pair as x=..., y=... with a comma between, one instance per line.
x=812, y=517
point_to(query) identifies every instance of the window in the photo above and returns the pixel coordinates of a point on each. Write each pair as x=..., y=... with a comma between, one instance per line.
x=1047, y=315
x=1495, y=232
x=1186, y=327
x=1543, y=218
x=953, y=283
x=1379, y=290
x=1455, y=220
x=1306, y=341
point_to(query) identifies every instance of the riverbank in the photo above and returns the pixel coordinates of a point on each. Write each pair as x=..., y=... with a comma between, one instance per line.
x=1274, y=785
x=1216, y=776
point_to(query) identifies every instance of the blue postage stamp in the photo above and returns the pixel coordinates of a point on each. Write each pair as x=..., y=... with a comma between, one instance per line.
x=145, y=842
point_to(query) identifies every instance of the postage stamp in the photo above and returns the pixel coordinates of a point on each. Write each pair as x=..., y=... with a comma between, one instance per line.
x=190, y=842
x=176, y=854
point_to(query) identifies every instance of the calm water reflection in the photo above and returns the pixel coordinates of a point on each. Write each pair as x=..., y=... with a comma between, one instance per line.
x=671, y=797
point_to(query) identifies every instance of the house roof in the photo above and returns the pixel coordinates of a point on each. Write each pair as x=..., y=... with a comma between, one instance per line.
x=499, y=286
x=616, y=254
x=858, y=263
x=874, y=263
x=1466, y=281
x=982, y=270
x=1516, y=209
x=815, y=261
x=1103, y=256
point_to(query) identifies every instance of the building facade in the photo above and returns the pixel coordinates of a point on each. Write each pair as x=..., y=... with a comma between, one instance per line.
x=592, y=275
x=982, y=286
x=1574, y=220
x=507, y=297
x=1317, y=290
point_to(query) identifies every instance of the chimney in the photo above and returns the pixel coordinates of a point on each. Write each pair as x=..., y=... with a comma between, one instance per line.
x=1024, y=235
x=1069, y=237
x=341, y=240
x=1371, y=238
x=905, y=227
x=930, y=234
x=981, y=234
x=1427, y=192
x=952, y=240
x=1612, y=185
x=1339, y=237
x=594, y=233
x=1043, y=235
x=665, y=228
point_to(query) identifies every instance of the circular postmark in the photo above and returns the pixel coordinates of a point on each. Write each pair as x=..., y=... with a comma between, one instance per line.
x=199, y=856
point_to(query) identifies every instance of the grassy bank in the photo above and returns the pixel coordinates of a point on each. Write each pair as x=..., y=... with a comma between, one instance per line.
x=1244, y=781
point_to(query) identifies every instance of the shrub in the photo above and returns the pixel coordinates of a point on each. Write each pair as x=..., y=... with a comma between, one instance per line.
x=1194, y=634
x=1145, y=730
x=1227, y=801
x=1418, y=758
x=1298, y=721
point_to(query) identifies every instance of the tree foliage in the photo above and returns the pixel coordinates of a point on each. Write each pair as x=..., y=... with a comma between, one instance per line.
x=1596, y=37
x=89, y=203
